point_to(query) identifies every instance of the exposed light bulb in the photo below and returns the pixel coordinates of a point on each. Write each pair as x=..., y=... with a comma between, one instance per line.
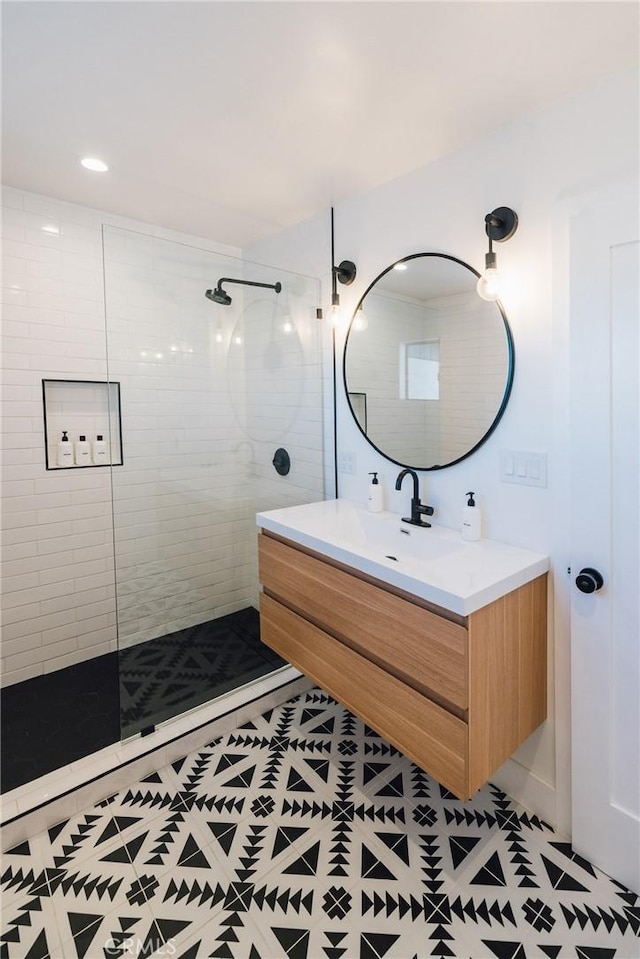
x=94, y=164
x=488, y=286
x=360, y=321
x=334, y=315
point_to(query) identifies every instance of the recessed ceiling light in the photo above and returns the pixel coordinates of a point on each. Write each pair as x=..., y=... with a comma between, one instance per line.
x=92, y=163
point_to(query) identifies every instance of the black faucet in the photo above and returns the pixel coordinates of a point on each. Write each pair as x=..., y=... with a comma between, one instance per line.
x=417, y=509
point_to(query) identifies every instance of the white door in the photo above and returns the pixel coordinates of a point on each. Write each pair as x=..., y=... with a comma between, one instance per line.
x=605, y=532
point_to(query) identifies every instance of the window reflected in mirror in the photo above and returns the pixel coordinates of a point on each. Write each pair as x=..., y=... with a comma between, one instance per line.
x=420, y=370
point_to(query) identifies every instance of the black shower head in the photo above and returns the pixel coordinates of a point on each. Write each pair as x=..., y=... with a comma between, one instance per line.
x=219, y=296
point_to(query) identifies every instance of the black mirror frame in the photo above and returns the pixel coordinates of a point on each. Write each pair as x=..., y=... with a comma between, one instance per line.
x=510, y=371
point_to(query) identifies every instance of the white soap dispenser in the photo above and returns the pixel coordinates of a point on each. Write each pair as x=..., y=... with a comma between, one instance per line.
x=375, y=497
x=65, y=451
x=471, y=520
x=83, y=452
x=99, y=451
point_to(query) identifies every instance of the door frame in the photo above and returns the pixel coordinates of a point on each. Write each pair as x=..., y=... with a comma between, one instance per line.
x=562, y=546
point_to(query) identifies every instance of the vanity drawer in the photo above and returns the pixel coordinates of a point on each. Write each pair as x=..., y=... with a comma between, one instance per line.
x=419, y=648
x=429, y=735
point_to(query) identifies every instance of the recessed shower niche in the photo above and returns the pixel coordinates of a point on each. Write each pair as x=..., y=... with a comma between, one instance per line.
x=76, y=408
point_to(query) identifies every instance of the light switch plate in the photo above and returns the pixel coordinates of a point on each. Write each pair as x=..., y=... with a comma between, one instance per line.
x=524, y=467
x=347, y=462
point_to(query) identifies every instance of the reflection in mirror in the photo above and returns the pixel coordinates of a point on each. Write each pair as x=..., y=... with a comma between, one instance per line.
x=358, y=403
x=433, y=368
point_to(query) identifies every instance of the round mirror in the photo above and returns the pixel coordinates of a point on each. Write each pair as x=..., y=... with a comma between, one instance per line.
x=428, y=364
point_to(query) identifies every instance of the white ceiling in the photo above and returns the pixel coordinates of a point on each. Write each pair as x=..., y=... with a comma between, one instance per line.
x=233, y=120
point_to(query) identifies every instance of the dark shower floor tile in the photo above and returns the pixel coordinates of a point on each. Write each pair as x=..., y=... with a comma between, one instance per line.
x=169, y=675
x=53, y=720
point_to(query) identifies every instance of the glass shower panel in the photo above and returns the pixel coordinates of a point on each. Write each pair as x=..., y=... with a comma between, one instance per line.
x=208, y=393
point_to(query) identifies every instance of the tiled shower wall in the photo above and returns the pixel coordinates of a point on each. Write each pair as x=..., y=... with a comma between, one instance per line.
x=58, y=596
x=58, y=576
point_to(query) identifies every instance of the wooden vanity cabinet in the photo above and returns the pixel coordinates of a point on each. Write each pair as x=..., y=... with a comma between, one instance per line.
x=455, y=694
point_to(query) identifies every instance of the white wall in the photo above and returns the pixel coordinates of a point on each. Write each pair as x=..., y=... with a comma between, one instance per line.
x=533, y=166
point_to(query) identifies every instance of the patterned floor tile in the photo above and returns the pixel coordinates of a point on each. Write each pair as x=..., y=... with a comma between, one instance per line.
x=304, y=835
x=89, y=933
x=29, y=918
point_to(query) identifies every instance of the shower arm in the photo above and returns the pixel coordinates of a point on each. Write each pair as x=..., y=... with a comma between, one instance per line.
x=269, y=286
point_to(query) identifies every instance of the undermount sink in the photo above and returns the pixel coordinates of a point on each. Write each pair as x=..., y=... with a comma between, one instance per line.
x=433, y=563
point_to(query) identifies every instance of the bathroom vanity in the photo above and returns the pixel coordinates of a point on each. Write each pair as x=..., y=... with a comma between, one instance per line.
x=437, y=644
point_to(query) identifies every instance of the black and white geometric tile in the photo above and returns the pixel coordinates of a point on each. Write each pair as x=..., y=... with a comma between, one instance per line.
x=303, y=834
x=165, y=676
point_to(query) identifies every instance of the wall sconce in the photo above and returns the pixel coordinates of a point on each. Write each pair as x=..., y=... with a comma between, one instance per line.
x=345, y=273
x=500, y=225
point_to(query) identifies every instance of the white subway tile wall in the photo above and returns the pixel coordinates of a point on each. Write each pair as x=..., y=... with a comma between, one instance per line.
x=197, y=437
x=58, y=595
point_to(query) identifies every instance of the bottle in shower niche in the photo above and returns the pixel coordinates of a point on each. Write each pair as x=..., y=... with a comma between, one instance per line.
x=82, y=451
x=65, y=451
x=99, y=451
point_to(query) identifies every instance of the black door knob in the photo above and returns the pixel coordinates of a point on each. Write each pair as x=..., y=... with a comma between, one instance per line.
x=589, y=580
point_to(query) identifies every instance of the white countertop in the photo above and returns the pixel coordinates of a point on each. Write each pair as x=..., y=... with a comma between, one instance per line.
x=435, y=564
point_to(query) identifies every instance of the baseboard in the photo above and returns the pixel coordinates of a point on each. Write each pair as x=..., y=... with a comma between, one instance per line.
x=532, y=792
